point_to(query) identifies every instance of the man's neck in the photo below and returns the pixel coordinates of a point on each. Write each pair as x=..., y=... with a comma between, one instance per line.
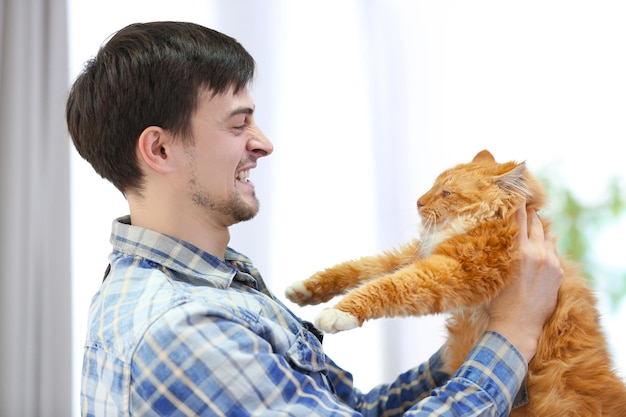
x=198, y=230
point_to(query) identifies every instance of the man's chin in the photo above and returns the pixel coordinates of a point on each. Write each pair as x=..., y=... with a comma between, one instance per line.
x=245, y=212
x=244, y=217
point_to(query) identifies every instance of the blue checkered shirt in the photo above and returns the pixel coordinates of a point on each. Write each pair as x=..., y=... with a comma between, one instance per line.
x=175, y=331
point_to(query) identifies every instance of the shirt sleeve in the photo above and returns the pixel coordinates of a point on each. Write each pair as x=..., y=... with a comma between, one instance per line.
x=207, y=365
x=485, y=385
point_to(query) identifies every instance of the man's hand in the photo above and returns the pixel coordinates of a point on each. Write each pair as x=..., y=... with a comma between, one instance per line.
x=522, y=308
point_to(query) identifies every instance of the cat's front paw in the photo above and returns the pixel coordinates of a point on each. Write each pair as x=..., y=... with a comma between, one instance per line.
x=298, y=293
x=332, y=320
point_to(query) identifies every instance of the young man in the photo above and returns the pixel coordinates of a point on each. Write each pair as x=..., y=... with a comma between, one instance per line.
x=183, y=324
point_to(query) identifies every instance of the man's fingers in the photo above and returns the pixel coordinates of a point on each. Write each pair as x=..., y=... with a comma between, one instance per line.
x=536, y=227
x=522, y=220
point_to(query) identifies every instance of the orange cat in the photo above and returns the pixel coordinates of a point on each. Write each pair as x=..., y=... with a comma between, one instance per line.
x=457, y=267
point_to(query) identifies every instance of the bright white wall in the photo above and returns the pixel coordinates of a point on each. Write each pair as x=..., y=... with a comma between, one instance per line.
x=366, y=102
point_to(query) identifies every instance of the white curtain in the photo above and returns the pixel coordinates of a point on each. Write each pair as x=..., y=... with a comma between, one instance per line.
x=35, y=292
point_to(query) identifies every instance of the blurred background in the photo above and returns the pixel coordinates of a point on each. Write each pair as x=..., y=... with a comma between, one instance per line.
x=366, y=102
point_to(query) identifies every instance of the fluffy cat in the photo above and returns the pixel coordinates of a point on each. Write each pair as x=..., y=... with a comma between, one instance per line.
x=458, y=266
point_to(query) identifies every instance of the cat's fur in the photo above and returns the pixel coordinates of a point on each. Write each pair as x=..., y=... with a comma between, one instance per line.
x=458, y=266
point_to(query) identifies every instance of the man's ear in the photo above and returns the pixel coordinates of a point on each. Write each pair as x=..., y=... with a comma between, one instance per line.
x=153, y=147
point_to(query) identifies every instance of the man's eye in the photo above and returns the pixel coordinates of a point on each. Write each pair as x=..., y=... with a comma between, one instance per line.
x=241, y=124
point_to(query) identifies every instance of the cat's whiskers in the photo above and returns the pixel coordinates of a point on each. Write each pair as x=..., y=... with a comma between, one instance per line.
x=431, y=235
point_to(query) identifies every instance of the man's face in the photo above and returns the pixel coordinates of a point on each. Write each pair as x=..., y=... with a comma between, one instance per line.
x=226, y=144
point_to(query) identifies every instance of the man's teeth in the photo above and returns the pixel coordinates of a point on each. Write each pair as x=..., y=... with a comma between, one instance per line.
x=243, y=176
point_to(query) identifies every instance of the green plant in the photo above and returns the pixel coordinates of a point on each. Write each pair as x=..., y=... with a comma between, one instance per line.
x=578, y=226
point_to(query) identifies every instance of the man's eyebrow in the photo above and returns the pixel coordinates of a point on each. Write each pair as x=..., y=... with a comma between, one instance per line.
x=242, y=110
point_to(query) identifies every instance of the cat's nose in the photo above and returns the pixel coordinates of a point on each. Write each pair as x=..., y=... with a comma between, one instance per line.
x=419, y=204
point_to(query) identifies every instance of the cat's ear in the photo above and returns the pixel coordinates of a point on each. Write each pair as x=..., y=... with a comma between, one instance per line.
x=484, y=156
x=513, y=179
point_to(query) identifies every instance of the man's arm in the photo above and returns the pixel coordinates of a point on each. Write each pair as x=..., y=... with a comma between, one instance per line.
x=211, y=365
x=486, y=385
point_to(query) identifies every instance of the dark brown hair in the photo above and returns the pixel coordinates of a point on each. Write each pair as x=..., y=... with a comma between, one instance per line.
x=148, y=74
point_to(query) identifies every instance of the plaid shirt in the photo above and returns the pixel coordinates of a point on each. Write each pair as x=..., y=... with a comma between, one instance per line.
x=174, y=331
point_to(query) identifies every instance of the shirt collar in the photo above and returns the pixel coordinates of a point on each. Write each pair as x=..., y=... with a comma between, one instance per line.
x=178, y=255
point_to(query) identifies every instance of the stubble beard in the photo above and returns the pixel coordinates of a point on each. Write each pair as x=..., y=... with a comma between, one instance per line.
x=235, y=208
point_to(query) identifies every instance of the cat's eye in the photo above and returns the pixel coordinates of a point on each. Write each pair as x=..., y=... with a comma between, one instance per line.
x=445, y=193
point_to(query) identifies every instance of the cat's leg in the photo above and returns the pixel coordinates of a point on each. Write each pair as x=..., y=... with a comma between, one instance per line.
x=434, y=285
x=326, y=284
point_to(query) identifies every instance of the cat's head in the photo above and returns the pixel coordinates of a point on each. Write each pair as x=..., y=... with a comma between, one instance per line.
x=482, y=190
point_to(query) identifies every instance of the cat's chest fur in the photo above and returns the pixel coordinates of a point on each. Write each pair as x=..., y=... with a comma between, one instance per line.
x=432, y=237
x=464, y=326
